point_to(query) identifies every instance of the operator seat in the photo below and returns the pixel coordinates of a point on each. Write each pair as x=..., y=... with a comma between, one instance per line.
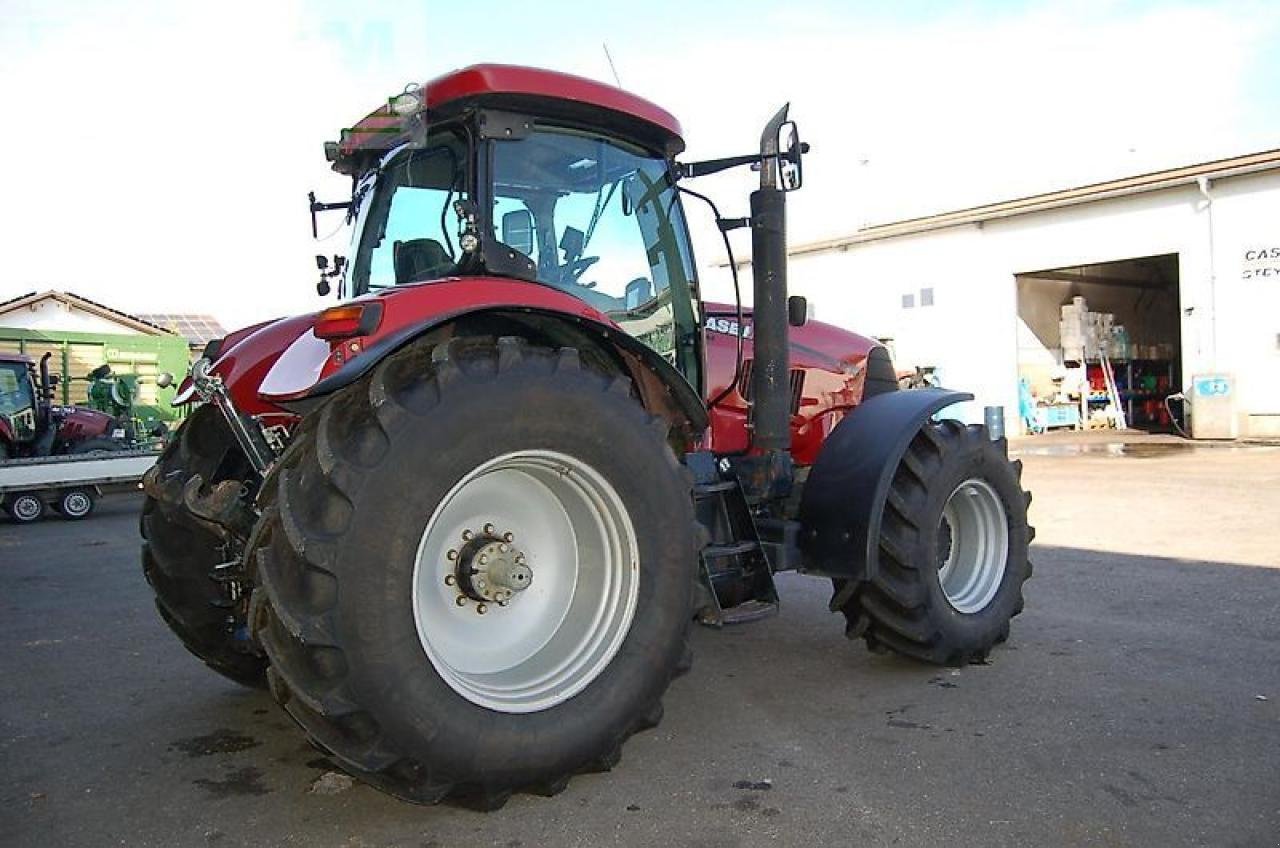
x=420, y=259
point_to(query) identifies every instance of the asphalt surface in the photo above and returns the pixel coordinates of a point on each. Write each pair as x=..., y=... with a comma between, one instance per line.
x=1137, y=703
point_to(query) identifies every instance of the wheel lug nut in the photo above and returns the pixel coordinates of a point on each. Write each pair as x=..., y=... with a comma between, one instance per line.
x=484, y=558
x=460, y=601
x=507, y=537
x=488, y=529
x=482, y=609
x=452, y=554
x=449, y=580
x=467, y=535
x=506, y=549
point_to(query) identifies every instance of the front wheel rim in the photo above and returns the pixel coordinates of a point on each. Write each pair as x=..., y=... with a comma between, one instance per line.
x=973, y=541
x=526, y=643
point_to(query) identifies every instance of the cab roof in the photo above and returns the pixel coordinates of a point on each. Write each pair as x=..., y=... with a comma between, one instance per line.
x=512, y=87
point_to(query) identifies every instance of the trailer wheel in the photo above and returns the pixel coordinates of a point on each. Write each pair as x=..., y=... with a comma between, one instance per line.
x=952, y=553
x=75, y=504
x=476, y=572
x=25, y=507
x=180, y=552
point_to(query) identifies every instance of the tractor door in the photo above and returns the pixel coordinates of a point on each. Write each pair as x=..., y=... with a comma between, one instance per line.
x=602, y=221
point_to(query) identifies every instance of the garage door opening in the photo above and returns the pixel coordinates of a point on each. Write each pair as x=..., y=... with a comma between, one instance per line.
x=1097, y=339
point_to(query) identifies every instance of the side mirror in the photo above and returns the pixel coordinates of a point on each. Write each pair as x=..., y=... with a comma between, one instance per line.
x=790, y=151
x=164, y=380
x=517, y=231
x=638, y=292
x=797, y=310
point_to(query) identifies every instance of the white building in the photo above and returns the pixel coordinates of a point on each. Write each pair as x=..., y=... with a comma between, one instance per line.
x=1187, y=259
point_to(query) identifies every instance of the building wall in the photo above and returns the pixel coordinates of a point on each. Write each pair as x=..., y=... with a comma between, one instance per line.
x=1229, y=283
x=55, y=315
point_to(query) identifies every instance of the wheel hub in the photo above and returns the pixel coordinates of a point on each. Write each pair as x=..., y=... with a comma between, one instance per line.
x=549, y=606
x=488, y=568
x=973, y=546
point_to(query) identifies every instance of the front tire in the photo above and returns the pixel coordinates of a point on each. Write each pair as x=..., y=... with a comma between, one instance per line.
x=180, y=552
x=952, y=551
x=421, y=676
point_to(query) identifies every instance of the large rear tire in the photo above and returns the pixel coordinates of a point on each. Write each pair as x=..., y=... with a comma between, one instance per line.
x=180, y=552
x=475, y=572
x=952, y=551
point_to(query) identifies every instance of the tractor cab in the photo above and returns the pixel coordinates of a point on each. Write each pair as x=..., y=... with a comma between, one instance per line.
x=19, y=407
x=462, y=177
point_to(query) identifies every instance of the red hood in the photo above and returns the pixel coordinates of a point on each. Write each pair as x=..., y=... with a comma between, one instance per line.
x=245, y=357
x=816, y=343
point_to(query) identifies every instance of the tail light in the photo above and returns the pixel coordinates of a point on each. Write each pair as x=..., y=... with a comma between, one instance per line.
x=349, y=321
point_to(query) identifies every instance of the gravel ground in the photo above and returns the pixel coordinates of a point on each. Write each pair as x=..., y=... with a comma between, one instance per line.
x=1137, y=702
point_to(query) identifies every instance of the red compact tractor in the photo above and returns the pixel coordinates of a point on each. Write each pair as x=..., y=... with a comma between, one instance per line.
x=461, y=523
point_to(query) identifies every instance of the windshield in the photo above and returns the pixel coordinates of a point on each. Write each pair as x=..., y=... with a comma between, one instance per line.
x=406, y=229
x=17, y=402
x=602, y=222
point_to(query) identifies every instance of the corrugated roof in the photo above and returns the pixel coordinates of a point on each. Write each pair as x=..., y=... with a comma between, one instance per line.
x=1189, y=174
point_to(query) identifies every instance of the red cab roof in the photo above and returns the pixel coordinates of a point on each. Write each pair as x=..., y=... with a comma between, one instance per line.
x=510, y=81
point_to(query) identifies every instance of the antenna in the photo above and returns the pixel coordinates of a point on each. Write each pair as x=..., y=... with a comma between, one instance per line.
x=605, y=45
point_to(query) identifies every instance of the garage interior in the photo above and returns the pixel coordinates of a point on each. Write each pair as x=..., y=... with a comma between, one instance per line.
x=1133, y=309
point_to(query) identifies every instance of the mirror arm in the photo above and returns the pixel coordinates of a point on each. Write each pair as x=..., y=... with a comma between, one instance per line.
x=714, y=166
x=316, y=206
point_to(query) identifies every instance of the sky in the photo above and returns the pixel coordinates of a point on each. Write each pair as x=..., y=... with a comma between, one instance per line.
x=159, y=154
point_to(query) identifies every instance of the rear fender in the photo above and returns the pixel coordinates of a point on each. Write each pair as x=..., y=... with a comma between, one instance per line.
x=843, y=500
x=662, y=389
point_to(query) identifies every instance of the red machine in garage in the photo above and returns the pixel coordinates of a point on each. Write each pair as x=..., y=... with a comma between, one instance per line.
x=461, y=522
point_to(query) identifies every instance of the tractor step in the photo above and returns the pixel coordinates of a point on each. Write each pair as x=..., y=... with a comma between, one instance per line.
x=732, y=549
x=737, y=577
x=706, y=490
x=748, y=611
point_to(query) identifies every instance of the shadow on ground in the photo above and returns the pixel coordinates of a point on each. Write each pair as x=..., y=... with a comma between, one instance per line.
x=1127, y=708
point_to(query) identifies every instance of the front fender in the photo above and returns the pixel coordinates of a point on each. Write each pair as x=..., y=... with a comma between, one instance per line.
x=843, y=499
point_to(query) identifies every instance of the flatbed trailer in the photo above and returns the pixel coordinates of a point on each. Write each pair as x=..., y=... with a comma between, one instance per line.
x=70, y=485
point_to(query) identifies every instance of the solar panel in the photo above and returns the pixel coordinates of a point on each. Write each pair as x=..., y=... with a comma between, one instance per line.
x=196, y=329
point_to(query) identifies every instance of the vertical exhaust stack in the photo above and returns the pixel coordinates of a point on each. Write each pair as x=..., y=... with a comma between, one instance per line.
x=771, y=368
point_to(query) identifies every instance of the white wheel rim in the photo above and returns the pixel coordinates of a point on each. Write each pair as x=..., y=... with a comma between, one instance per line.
x=561, y=630
x=973, y=539
x=26, y=507
x=75, y=504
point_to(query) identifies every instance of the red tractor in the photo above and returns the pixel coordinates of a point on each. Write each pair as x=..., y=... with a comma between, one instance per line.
x=461, y=523
x=31, y=425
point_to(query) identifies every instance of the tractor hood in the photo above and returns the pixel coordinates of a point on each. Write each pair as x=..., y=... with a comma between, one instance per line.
x=78, y=423
x=243, y=358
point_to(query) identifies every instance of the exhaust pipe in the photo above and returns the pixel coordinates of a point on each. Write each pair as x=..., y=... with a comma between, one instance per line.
x=771, y=369
x=46, y=385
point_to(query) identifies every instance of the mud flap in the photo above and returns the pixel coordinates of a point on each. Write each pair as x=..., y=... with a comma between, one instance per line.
x=843, y=499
